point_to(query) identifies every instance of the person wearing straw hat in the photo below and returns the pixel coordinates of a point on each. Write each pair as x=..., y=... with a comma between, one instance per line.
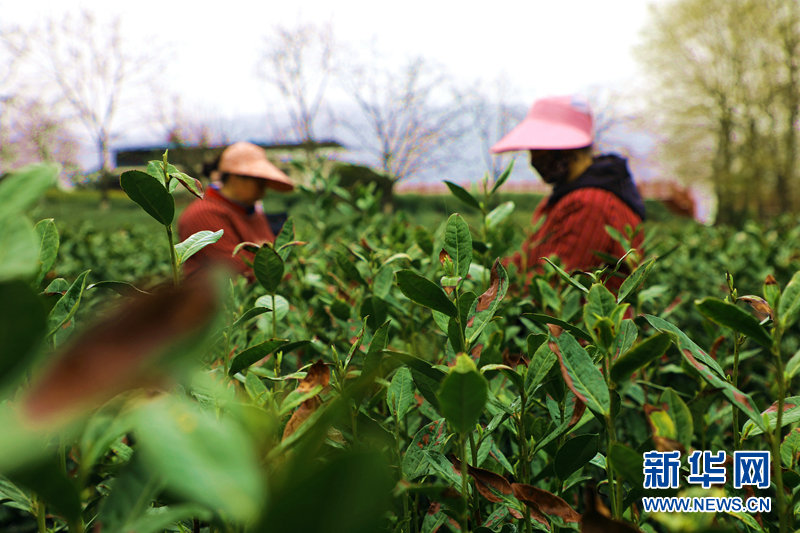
x=233, y=203
x=589, y=192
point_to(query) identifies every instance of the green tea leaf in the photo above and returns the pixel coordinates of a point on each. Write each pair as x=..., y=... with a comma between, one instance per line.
x=67, y=305
x=625, y=338
x=19, y=248
x=637, y=357
x=546, y=319
x=462, y=194
x=382, y=282
x=790, y=448
x=201, y=457
x=792, y=366
x=400, y=394
x=503, y=177
x=268, y=268
x=499, y=214
x=566, y=277
x=424, y=292
x=458, y=244
x=731, y=316
x=635, y=280
x=48, y=247
x=255, y=353
x=685, y=343
x=194, y=243
x=151, y=195
x=680, y=414
x=20, y=189
x=247, y=315
x=575, y=453
x=627, y=463
x=51, y=485
x=541, y=363
x=463, y=395
x=22, y=326
x=789, y=304
x=581, y=376
x=599, y=303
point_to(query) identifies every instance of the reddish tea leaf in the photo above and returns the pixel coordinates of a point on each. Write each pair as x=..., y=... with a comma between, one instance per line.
x=760, y=306
x=567, y=378
x=120, y=352
x=770, y=280
x=546, y=502
x=714, y=347
x=485, y=300
x=774, y=407
x=317, y=374
x=193, y=185
x=577, y=413
x=597, y=518
x=486, y=481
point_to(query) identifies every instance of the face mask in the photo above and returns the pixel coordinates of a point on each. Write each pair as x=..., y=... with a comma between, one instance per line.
x=552, y=166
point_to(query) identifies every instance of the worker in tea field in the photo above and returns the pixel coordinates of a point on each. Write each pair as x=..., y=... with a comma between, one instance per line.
x=589, y=191
x=233, y=203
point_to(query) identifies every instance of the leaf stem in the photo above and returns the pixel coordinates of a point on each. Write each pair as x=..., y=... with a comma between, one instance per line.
x=462, y=442
x=783, y=516
x=172, y=257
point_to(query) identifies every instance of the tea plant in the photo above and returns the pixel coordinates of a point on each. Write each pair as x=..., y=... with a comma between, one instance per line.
x=382, y=376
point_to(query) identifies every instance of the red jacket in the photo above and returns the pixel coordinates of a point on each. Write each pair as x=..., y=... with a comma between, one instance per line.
x=574, y=230
x=215, y=212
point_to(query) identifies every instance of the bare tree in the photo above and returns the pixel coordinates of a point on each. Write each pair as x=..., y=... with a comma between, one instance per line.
x=87, y=68
x=408, y=120
x=491, y=115
x=299, y=62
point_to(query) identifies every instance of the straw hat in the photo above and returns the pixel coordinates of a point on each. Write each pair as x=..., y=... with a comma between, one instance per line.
x=247, y=159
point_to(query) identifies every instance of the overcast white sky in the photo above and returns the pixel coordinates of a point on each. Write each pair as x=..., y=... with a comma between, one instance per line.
x=540, y=47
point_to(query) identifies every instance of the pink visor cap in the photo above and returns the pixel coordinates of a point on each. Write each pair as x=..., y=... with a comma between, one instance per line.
x=554, y=123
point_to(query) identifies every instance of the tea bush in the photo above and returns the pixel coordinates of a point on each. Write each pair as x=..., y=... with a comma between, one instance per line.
x=382, y=374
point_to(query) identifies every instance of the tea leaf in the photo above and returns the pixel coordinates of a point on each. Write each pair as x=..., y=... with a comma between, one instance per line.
x=462, y=395
x=542, y=361
x=566, y=326
x=484, y=308
x=247, y=315
x=152, y=338
x=194, y=243
x=51, y=485
x=191, y=184
x=503, y=177
x=490, y=485
x=544, y=501
x=268, y=268
x=789, y=304
x=575, y=453
x=792, y=366
x=424, y=292
x=580, y=374
x=458, y=244
x=627, y=463
x=635, y=280
x=566, y=277
x=19, y=248
x=708, y=369
x=67, y=305
x=149, y=194
x=499, y=214
x=20, y=189
x=22, y=326
x=382, y=281
x=639, y=356
x=680, y=414
x=400, y=395
x=48, y=247
x=255, y=353
x=285, y=236
x=201, y=457
x=462, y=194
x=600, y=303
x=728, y=315
x=431, y=437
x=790, y=448
x=791, y=414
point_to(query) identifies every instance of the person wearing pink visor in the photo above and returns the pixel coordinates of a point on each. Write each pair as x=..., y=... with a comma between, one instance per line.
x=589, y=192
x=233, y=203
